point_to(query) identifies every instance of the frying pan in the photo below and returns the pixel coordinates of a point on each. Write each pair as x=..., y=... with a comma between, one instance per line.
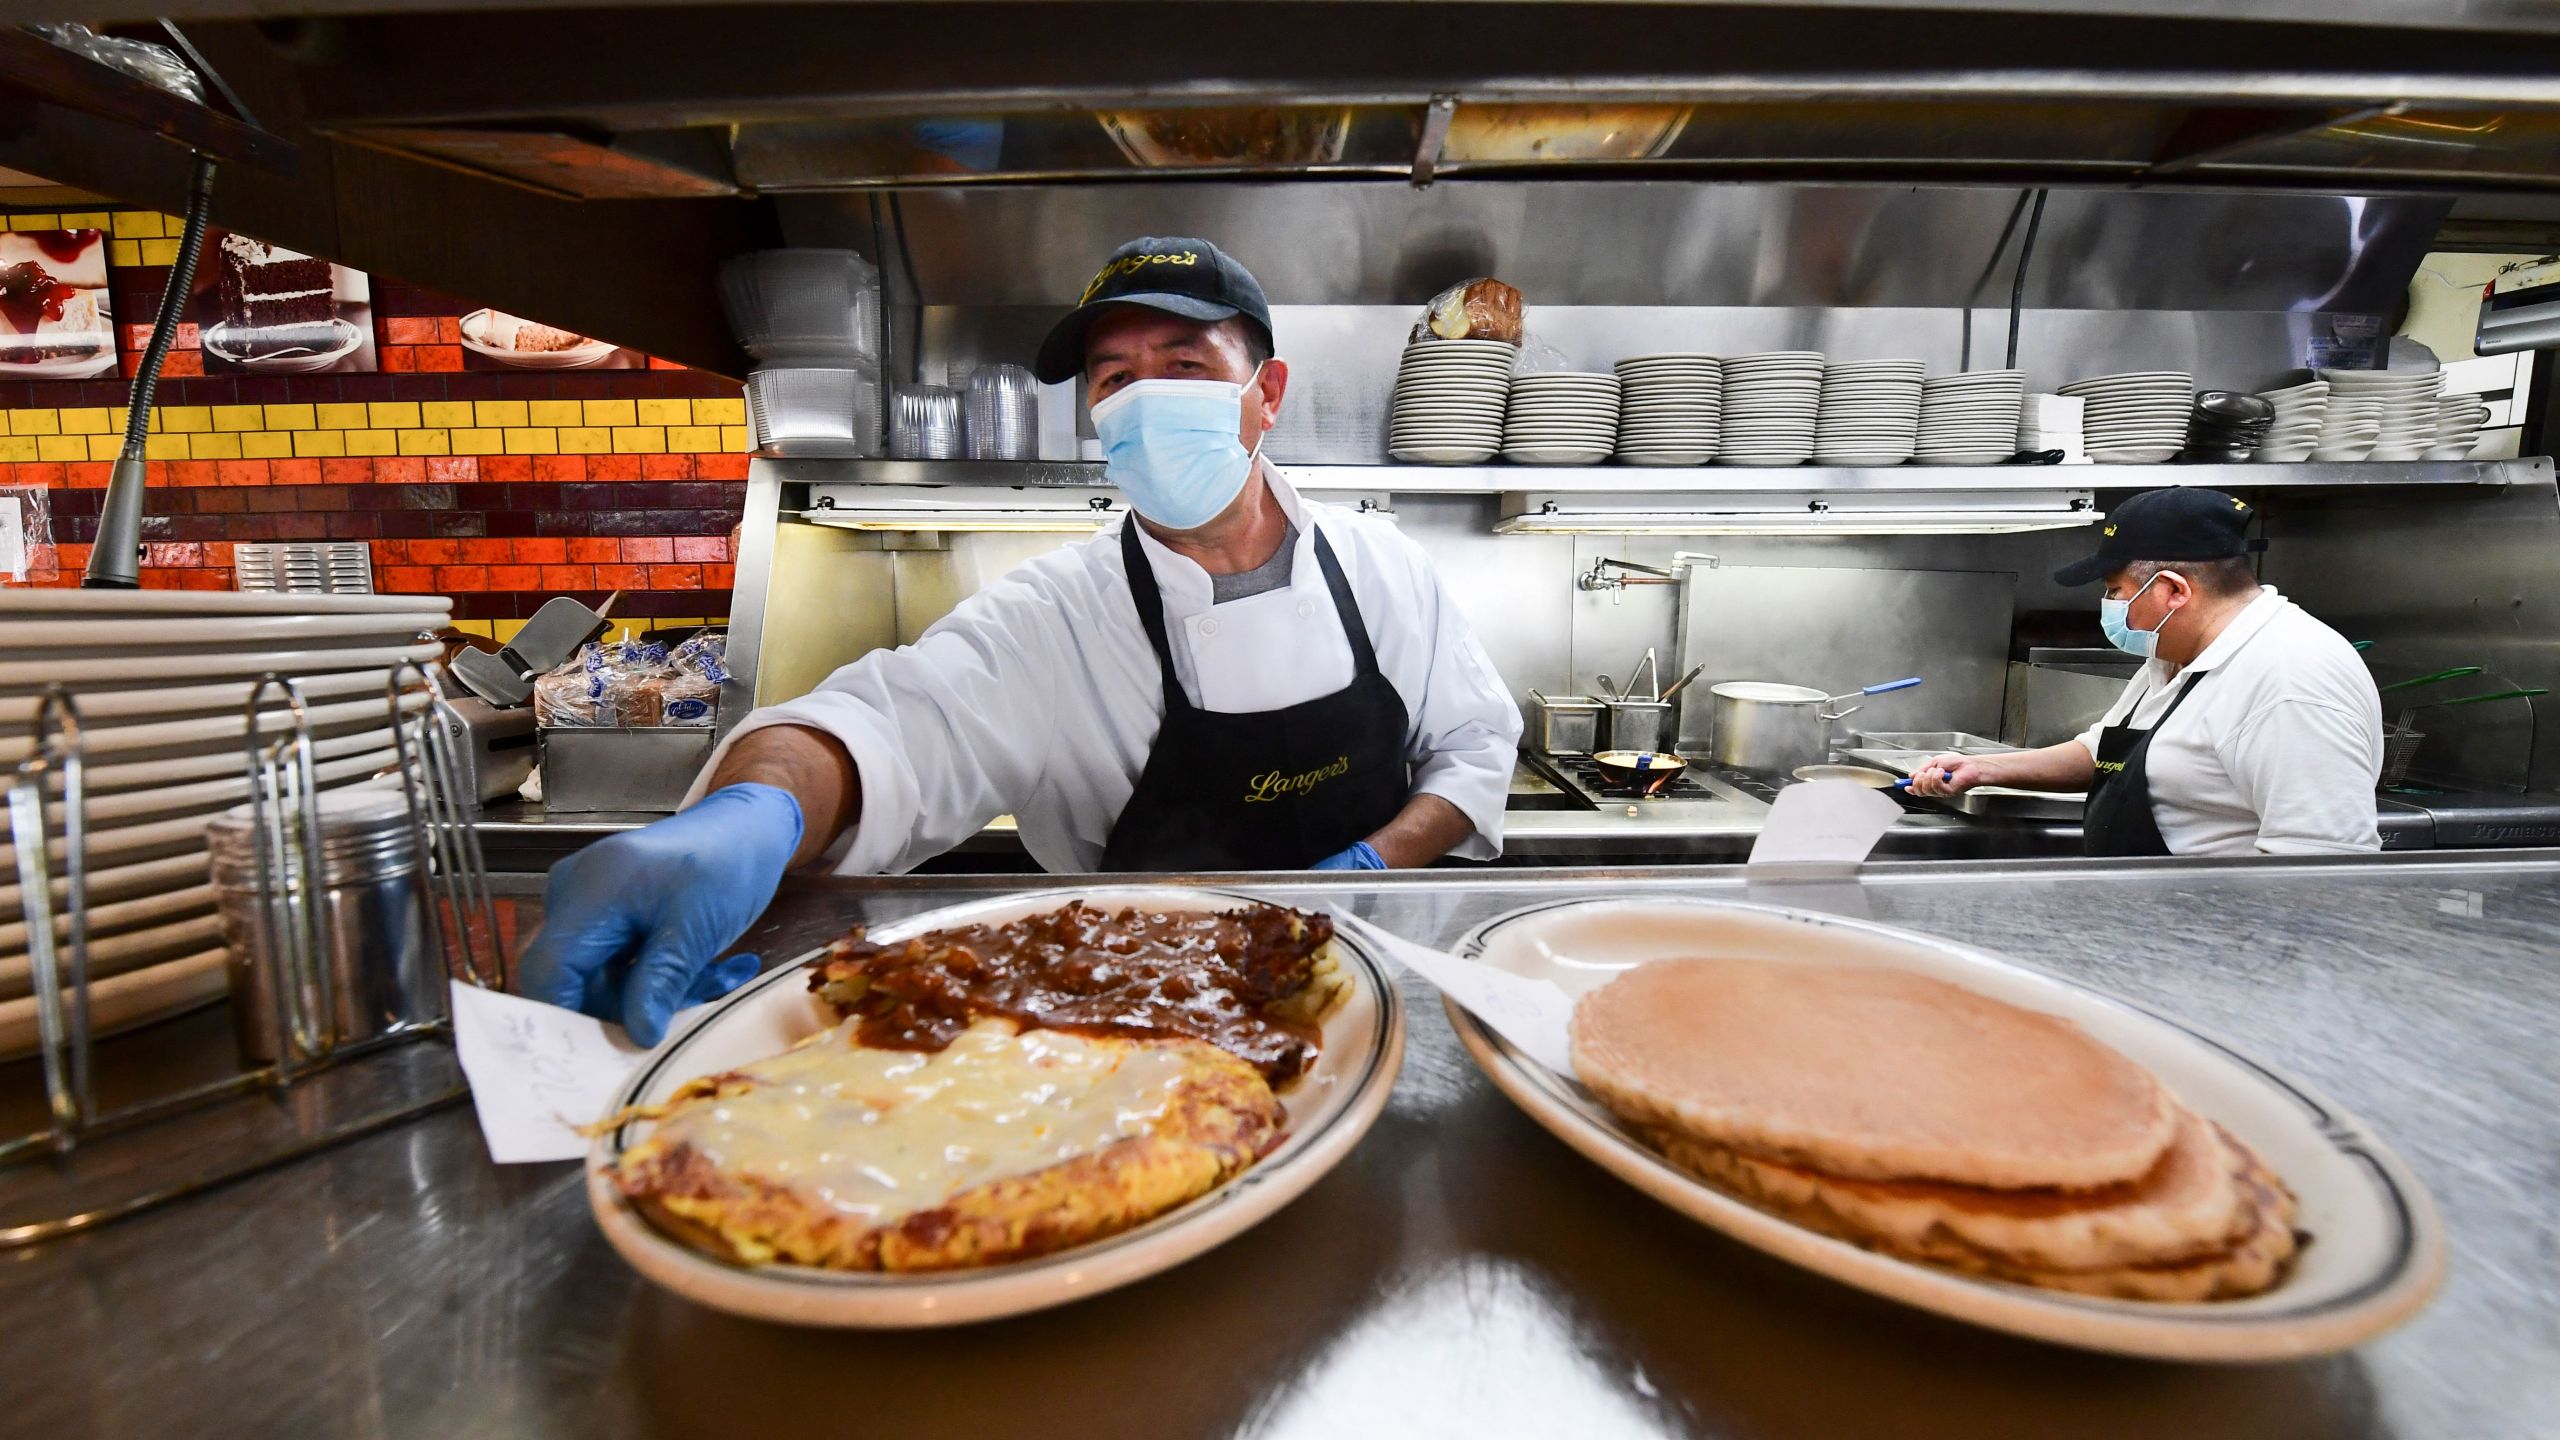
x=1647, y=772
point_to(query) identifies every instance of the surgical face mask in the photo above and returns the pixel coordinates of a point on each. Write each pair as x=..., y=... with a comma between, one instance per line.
x=1171, y=447
x=2115, y=618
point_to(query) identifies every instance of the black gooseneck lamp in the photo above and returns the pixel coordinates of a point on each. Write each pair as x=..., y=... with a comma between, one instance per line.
x=115, y=560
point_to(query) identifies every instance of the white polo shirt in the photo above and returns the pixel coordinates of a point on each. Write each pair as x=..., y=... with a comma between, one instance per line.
x=2277, y=751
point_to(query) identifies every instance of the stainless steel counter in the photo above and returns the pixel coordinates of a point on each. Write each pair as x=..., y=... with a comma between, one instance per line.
x=1461, y=1274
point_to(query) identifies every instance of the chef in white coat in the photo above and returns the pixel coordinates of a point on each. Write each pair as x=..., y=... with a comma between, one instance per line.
x=1236, y=677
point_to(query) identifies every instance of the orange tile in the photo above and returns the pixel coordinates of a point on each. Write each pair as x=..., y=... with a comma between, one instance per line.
x=37, y=472
x=702, y=548
x=449, y=329
x=719, y=577
x=346, y=472
x=203, y=579
x=435, y=552
x=568, y=577
x=452, y=578
x=444, y=469
x=87, y=475
x=675, y=577
x=540, y=550
x=194, y=472
x=613, y=467
x=666, y=467
x=622, y=577
x=241, y=472
x=404, y=580
x=399, y=470
x=645, y=549
x=188, y=362
x=720, y=467
x=439, y=359
x=515, y=577
x=559, y=467
x=294, y=472
x=594, y=549
x=409, y=330
x=506, y=467
x=488, y=552
x=398, y=359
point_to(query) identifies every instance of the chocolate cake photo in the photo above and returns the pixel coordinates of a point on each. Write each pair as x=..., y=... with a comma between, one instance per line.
x=264, y=309
x=55, y=320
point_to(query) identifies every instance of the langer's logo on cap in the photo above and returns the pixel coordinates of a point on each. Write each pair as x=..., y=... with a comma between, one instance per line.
x=1130, y=264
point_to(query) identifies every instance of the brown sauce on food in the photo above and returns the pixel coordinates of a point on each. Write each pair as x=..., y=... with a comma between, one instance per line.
x=1138, y=974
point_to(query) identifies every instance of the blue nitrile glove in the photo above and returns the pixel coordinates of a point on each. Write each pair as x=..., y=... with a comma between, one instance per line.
x=631, y=922
x=1361, y=856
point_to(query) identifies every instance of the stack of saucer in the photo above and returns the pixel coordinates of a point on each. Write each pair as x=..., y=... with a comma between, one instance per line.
x=1771, y=405
x=1870, y=412
x=1673, y=411
x=2403, y=400
x=2136, y=418
x=1569, y=418
x=2349, y=429
x=2459, y=419
x=2301, y=411
x=1970, y=419
x=1448, y=402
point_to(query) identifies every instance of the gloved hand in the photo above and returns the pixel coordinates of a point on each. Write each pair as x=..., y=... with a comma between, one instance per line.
x=1361, y=856
x=631, y=922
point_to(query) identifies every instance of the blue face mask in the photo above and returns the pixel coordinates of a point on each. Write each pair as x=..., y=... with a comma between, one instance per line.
x=1171, y=447
x=2115, y=618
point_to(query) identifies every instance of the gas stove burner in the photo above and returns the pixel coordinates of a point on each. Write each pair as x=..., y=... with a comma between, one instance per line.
x=1581, y=772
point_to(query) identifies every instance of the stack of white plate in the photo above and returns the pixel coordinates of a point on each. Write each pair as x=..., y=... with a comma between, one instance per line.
x=2136, y=418
x=160, y=677
x=1772, y=408
x=1447, y=407
x=2404, y=401
x=1563, y=418
x=1870, y=412
x=2459, y=419
x=1672, y=412
x=2301, y=412
x=1970, y=419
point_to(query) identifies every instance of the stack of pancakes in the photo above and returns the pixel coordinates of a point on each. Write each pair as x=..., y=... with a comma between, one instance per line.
x=1920, y=1119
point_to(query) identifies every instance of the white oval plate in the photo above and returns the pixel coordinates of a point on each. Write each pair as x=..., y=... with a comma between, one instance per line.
x=121, y=1002
x=1329, y=1110
x=475, y=337
x=2378, y=1250
x=1444, y=454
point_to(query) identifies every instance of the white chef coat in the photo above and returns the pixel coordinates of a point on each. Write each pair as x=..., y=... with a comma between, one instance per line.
x=2278, y=749
x=1040, y=696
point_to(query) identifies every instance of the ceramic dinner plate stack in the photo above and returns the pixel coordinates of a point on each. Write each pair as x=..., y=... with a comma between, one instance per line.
x=1671, y=411
x=1772, y=408
x=2136, y=418
x=1563, y=418
x=1970, y=419
x=1448, y=401
x=160, y=677
x=2403, y=401
x=1870, y=412
x=2459, y=419
x=2301, y=412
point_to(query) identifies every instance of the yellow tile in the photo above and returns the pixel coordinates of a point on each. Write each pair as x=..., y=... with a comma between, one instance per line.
x=239, y=417
x=340, y=417
x=124, y=254
x=47, y=422
x=691, y=438
x=373, y=442
x=319, y=444
x=18, y=449
x=611, y=412
x=183, y=419
x=501, y=631
x=720, y=412
x=447, y=414
x=736, y=437
x=63, y=447
x=499, y=414
x=479, y=442
x=666, y=412
x=159, y=252
x=290, y=417
x=219, y=446
x=136, y=225
x=36, y=222
x=266, y=445
x=555, y=412
x=423, y=442
x=533, y=442
x=90, y=420
x=102, y=447
x=163, y=447
x=85, y=220
x=639, y=440
x=467, y=627
x=585, y=440
x=394, y=414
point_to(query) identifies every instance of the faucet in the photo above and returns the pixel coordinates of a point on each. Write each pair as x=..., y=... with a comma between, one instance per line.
x=1599, y=576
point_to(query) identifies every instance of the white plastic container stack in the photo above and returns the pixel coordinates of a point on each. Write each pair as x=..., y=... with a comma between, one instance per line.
x=812, y=320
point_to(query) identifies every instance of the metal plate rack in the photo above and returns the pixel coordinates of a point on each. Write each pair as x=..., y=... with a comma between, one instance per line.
x=155, y=1137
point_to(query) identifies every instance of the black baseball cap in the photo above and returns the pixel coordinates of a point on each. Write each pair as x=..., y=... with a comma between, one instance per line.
x=2186, y=523
x=1177, y=274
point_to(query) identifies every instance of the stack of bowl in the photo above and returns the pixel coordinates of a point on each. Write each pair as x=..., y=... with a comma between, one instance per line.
x=1970, y=419
x=1772, y=408
x=2301, y=411
x=1672, y=412
x=1447, y=404
x=159, y=677
x=1870, y=412
x=2136, y=418
x=2227, y=428
x=2459, y=419
x=1561, y=418
x=2403, y=401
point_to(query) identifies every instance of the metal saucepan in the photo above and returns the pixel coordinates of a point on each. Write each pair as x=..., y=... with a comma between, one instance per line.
x=1647, y=772
x=1760, y=725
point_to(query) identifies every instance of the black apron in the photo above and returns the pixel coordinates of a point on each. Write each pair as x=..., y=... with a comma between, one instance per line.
x=2116, y=820
x=1270, y=789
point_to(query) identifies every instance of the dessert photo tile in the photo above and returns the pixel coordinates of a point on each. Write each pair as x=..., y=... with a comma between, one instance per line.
x=260, y=309
x=55, y=320
x=496, y=340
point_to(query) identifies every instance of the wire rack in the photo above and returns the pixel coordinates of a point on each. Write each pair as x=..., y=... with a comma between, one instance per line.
x=166, y=1137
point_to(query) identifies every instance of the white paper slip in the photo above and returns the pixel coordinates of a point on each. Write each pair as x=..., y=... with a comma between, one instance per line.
x=538, y=1072
x=1824, y=822
x=1531, y=1014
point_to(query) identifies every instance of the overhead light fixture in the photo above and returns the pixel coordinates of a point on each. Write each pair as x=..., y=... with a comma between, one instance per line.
x=1052, y=510
x=1948, y=513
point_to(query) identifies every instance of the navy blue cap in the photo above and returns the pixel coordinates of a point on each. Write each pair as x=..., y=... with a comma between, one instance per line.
x=1177, y=274
x=2186, y=523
